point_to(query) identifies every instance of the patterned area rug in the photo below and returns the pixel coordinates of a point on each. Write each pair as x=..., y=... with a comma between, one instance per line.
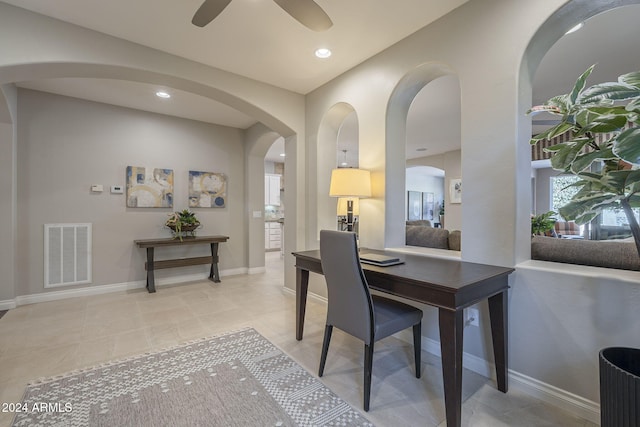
x=236, y=379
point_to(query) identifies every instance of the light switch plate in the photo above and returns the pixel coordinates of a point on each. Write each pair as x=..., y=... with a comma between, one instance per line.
x=96, y=188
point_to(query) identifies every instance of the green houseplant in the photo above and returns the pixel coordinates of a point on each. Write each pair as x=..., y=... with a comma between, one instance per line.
x=182, y=223
x=604, y=149
x=541, y=224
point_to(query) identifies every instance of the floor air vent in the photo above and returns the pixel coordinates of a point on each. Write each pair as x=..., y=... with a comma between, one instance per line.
x=67, y=254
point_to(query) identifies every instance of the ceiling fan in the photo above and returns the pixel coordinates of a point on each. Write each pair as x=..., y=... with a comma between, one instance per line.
x=307, y=12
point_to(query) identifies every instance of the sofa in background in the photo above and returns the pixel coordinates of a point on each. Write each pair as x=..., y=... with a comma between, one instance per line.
x=598, y=253
x=421, y=233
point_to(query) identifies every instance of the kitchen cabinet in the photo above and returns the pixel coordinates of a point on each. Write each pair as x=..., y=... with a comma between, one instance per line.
x=272, y=189
x=272, y=235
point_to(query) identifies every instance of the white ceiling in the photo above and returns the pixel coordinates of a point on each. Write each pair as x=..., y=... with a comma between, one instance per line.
x=257, y=39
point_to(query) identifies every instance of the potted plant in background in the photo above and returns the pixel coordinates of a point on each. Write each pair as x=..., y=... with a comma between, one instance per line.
x=609, y=177
x=183, y=223
x=543, y=224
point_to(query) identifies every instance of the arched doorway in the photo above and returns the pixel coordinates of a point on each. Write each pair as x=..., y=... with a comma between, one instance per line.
x=337, y=143
x=408, y=96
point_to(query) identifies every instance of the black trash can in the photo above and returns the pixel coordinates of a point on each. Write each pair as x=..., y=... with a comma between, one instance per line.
x=620, y=387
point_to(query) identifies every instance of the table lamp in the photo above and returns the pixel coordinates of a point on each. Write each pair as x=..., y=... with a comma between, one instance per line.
x=350, y=183
x=342, y=213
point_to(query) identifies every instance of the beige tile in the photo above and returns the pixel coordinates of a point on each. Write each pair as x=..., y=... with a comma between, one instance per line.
x=131, y=343
x=39, y=364
x=97, y=327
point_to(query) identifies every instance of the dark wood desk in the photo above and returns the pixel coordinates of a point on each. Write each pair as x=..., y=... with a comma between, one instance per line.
x=447, y=284
x=151, y=265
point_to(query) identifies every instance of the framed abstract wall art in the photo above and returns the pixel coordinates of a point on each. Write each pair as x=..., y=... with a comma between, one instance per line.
x=149, y=187
x=427, y=206
x=207, y=189
x=414, y=205
x=455, y=191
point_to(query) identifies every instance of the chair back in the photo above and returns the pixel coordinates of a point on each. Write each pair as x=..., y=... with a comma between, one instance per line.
x=350, y=307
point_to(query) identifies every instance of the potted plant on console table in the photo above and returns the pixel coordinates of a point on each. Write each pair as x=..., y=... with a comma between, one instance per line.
x=183, y=224
x=603, y=151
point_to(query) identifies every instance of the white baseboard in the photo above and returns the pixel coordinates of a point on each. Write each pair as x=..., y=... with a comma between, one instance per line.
x=552, y=395
x=104, y=289
x=7, y=304
x=548, y=393
x=256, y=270
x=316, y=297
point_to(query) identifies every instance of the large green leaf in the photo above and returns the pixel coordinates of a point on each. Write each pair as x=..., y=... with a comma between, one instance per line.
x=627, y=145
x=580, y=84
x=564, y=154
x=633, y=106
x=608, y=91
x=633, y=182
x=634, y=201
x=601, y=119
x=551, y=133
x=580, y=207
x=631, y=79
x=561, y=103
x=618, y=180
x=583, y=161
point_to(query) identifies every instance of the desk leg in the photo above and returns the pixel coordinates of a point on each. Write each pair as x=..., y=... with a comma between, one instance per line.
x=498, y=312
x=302, y=286
x=451, y=328
x=151, y=283
x=214, y=274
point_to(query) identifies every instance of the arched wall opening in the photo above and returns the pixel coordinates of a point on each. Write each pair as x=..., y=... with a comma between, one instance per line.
x=331, y=140
x=231, y=97
x=546, y=36
x=37, y=71
x=258, y=140
x=396, y=130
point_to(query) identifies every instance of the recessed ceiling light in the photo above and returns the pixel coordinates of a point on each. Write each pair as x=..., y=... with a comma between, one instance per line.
x=323, y=52
x=282, y=155
x=162, y=94
x=574, y=29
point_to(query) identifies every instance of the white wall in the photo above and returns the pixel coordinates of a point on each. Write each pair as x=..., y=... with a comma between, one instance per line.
x=8, y=211
x=66, y=145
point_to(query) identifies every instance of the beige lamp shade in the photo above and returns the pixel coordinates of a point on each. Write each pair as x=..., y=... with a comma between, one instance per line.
x=350, y=182
x=342, y=206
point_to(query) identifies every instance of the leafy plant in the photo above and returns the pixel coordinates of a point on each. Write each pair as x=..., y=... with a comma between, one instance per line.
x=185, y=220
x=607, y=167
x=542, y=223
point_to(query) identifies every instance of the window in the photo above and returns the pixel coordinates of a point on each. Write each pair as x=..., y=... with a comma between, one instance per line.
x=561, y=192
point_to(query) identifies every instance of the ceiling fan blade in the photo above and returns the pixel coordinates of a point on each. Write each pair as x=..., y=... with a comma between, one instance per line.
x=307, y=12
x=208, y=11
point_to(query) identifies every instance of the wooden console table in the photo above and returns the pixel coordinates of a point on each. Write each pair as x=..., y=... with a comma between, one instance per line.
x=151, y=265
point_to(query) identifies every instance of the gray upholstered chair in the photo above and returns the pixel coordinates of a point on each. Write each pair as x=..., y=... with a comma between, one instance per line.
x=354, y=310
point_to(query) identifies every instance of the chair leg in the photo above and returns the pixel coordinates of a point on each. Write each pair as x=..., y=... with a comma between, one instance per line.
x=368, y=368
x=417, y=347
x=325, y=348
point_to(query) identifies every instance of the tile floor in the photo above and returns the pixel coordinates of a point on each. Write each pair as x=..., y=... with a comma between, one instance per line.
x=46, y=339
